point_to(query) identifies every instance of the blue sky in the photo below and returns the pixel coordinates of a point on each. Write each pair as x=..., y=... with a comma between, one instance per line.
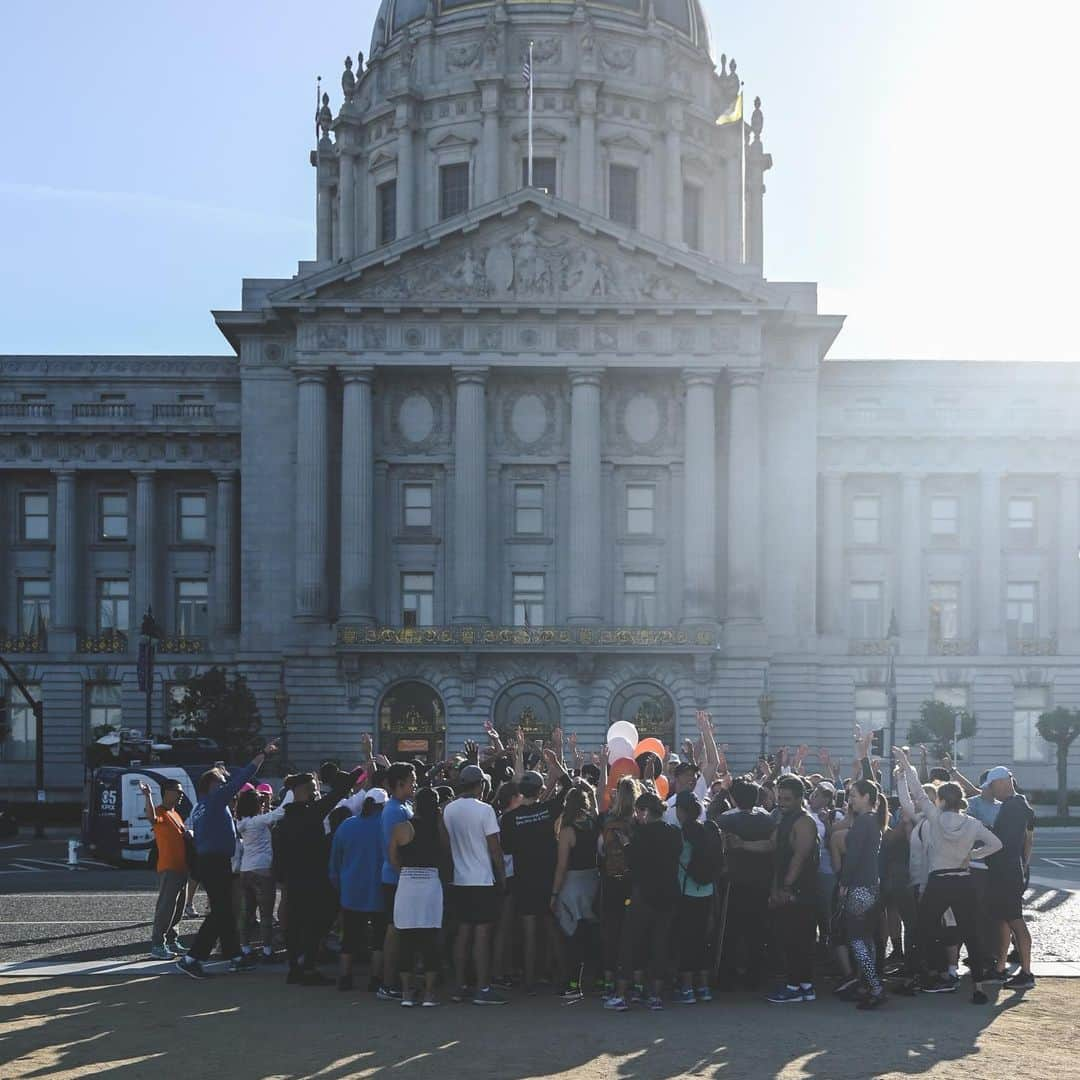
x=925, y=165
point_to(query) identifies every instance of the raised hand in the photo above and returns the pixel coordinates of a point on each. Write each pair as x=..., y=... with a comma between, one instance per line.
x=472, y=751
x=557, y=740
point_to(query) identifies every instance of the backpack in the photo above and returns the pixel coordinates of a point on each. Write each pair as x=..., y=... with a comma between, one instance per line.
x=706, y=853
x=616, y=841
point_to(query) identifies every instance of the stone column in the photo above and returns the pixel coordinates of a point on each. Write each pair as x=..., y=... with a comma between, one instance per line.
x=347, y=207
x=743, y=624
x=470, y=496
x=991, y=601
x=832, y=557
x=324, y=217
x=145, y=556
x=406, y=180
x=674, y=180
x=588, y=194
x=357, y=497
x=699, y=498
x=489, y=141
x=734, y=186
x=311, y=496
x=586, y=518
x=226, y=620
x=67, y=554
x=1068, y=616
x=913, y=600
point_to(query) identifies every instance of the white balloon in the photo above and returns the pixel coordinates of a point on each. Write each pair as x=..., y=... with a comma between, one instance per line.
x=623, y=729
x=619, y=748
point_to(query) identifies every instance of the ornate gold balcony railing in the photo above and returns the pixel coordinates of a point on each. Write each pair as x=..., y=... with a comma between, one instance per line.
x=103, y=641
x=553, y=638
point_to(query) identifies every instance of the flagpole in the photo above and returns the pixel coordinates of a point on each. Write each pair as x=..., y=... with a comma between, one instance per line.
x=530, y=114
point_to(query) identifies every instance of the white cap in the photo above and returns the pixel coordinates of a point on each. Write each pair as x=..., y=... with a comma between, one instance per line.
x=998, y=772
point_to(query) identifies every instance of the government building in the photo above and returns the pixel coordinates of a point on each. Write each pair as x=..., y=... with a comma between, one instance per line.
x=544, y=454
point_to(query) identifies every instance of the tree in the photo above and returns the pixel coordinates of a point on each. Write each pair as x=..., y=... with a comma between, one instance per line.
x=1060, y=727
x=223, y=711
x=936, y=726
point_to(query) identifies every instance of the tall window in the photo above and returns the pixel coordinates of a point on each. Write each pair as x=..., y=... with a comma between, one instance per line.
x=112, y=610
x=1028, y=745
x=528, y=599
x=639, y=599
x=623, y=195
x=386, y=212
x=1022, y=522
x=192, y=518
x=944, y=517
x=544, y=169
x=192, y=607
x=529, y=509
x=640, y=509
x=865, y=616
x=1021, y=611
x=453, y=190
x=418, y=599
x=417, y=500
x=21, y=743
x=113, y=517
x=33, y=606
x=692, y=218
x=944, y=610
x=866, y=519
x=104, y=706
x=35, y=516
x=872, y=714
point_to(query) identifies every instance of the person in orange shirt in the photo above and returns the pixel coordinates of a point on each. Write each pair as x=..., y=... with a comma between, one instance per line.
x=172, y=868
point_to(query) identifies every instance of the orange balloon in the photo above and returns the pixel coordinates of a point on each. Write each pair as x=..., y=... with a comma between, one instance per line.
x=662, y=788
x=653, y=746
x=619, y=769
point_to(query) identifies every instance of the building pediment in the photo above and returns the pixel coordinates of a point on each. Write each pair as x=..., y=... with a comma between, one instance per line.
x=528, y=250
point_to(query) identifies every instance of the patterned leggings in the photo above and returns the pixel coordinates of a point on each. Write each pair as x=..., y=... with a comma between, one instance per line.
x=860, y=907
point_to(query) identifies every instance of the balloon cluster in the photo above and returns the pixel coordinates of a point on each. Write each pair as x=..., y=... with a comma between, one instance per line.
x=629, y=756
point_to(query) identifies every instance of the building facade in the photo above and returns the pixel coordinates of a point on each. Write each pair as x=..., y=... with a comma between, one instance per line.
x=544, y=455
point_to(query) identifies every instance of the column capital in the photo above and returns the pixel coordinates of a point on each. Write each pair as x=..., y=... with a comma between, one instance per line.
x=144, y=474
x=699, y=376
x=64, y=474
x=225, y=476
x=585, y=376
x=311, y=374
x=464, y=375
x=357, y=374
x=745, y=376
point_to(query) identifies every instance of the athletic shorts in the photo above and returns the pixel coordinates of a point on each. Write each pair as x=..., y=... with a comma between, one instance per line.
x=389, y=895
x=530, y=897
x=476, y=904
x=362, y=931
x=1005, y=897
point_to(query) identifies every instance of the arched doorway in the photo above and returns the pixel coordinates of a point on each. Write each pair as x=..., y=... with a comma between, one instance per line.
x=649, y=708
x=530, y=706
x=412, y=723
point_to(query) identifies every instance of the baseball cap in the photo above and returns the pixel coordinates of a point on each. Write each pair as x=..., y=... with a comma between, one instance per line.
x=246, y=787
x=470, y=775
x=998, y=772
x=827, y=786
x=378, y=794
x=531, y=781
x=265, y=789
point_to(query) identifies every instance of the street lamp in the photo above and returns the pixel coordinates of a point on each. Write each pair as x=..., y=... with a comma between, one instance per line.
x=151, y=632
x=765, y=709
x=281, y=711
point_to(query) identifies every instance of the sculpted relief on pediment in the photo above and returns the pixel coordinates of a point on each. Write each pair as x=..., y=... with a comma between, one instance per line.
x=536, y=262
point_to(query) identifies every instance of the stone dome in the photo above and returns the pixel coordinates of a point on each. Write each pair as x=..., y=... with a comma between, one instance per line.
x=685, y=17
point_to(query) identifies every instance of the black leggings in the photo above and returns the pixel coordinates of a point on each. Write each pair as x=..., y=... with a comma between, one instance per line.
x=796, y=930
x=692, y=926
x=949, y=889
x=613, y=919
x=645, y=939
x=423, y=943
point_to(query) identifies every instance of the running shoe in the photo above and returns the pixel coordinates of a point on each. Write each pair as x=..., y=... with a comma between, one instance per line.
x=704, y=993
x=389, y=993
x=191, y=913
x=162, y=952
x=190, y=966
x=1020, y=981
x=807, y=990
x=572, y=992
x=488, y=997
x=686, y=997
x=996, y=977
x=407, y=1003
x=656, y=1004
x=616, y=1004
x=785, y=994
x=176, y=946
x=429, y=1003
x=945, y=984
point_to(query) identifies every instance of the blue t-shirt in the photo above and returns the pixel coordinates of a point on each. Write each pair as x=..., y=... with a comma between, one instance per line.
x=393, y=814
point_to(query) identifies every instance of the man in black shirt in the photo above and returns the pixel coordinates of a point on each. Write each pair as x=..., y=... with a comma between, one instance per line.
x=528, y=834
x=1015, y=827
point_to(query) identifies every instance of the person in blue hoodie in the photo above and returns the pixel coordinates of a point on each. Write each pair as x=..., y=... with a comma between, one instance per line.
x=215, y=843
x=356, y=859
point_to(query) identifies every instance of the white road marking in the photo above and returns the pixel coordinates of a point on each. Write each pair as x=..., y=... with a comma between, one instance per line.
x=119, y=895
x=79, y=922
x=12, y=847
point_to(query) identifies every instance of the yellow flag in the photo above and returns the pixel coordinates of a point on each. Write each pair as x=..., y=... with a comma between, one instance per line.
x=733, y=115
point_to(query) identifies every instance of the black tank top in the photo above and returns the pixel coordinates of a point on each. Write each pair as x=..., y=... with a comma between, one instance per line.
x=805, y=886
x=421, y=851
x=583, y=853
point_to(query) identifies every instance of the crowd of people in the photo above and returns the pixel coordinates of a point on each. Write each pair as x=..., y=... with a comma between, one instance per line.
x=660, y=878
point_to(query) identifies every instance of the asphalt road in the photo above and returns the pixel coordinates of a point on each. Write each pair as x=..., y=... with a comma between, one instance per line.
x=96, y=912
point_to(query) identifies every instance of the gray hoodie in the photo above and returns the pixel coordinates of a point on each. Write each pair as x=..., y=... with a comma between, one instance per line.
x=952, y=835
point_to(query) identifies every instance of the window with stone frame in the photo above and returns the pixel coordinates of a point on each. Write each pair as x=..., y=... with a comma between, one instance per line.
x=866, y=519
x=192, y=525
x=34, y=604
x=944, y=611
x=640, y=509
x=453, y=189
x=192, y=607
x=1029, y=703
x=544, y=173
x=416, y=506
x=944, y=517
x=34, y=516
x=528, y=599
x=693, y=217
x=865, y=610
x=623, y=195
x=1021, y=611
x=113, y=600
x=639, y=599
x=417, y=599
x=21, y=741
x=386, y=212
x=103, y=702
x=528, y=509
x=1022, y=521
x=113, y=515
